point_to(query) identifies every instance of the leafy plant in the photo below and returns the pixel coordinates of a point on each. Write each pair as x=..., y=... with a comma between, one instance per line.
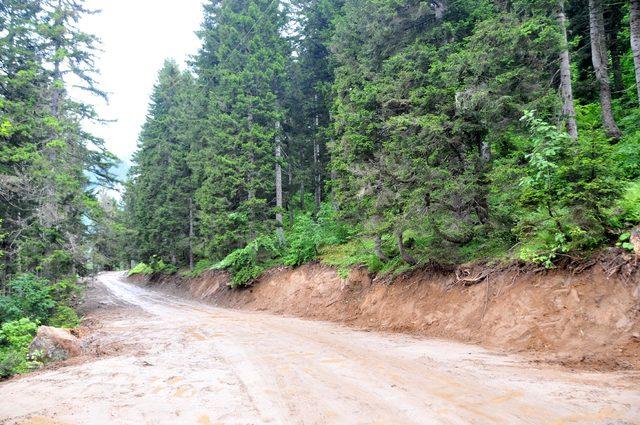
x=567, y=188
x=164, y=268
x=140, y=268
x=15, y=337
x=302, y=241
x=28, y=296
x=248, y=263
x=64, y=317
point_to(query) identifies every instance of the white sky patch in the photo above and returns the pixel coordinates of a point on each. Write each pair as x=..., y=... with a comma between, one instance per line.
x=137, y=36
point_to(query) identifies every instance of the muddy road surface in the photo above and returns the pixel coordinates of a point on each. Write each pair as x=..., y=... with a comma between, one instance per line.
x=182, y=362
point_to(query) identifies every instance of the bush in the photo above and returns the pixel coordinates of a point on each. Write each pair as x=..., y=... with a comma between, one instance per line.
x=566, y=190
x=15, y=337
x=302, y=241
x=356, y=252
x=248, y=263
x=164, y=268
x=29, y=297
x=140, y=268
x=626, y=212
x=64, y=317
x=200, y=267
x=66, y=290
x=306, y=236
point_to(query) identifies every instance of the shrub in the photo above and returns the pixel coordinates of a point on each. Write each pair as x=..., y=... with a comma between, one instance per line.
x=302, y=241
x=306, y=236
x=356, y=252
x=140, y=268
x=65, y=290
x=246, y=264
x=626, y=212
x=164, y=268
x=29, y=297
x=64, y=317
x=200, y=267
x=15, y=337
x=568, y=185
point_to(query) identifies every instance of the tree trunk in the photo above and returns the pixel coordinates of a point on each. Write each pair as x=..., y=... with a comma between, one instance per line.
x=301, y=194
x=403, y=252
x=600, y=59
x=439, y=8
x=316, y=161
x=190, y=233
x=290, y=193
x=568, y=109
x=377, y=248
x=279, y=229
x=614, y=23
x=635, y=39
x=251, y=191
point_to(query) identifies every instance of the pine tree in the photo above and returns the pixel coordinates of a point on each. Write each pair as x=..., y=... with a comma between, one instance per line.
x=237, y=196
x=49, y=163
x=161, y=180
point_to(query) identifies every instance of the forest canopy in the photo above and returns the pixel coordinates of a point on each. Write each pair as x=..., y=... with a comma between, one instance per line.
x=386, y=133
x=391, y=133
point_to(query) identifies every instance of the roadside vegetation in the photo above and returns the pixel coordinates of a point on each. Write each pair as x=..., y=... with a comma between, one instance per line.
x=28, y=302
x=390, y=135
x=51, y=170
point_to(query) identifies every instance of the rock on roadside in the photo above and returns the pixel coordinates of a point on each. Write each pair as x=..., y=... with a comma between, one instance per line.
x=54, y=344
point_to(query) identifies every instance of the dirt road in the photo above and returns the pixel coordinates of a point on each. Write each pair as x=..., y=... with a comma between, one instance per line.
x=186, y=362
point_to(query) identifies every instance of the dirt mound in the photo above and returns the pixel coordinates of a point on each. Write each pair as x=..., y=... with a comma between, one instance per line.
x=586, y=319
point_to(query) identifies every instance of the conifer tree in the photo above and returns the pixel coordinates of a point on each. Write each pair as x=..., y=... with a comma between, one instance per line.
x=237, y=197
x=161, y=179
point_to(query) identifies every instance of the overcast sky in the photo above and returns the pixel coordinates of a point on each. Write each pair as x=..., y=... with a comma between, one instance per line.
x=137, y=35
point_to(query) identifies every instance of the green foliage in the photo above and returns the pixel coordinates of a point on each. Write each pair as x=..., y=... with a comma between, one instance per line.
x=141, y=268
x=302, y=241
x=155, y=266
x=28, y=296
x=200, y=267
x=248, y=263
x=64, y=317
x=162, y=267
x=49, y=163
x=359, y=251
x=15, y=337
x=567, y=188
x=40, y=301
x=307, y=236
x=626, y=211
x=405, y=132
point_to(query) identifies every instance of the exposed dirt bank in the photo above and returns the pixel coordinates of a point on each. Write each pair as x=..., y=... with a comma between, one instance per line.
x=578, y=319
x=185, y=362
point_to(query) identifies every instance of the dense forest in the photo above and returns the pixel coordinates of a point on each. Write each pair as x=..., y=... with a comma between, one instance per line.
x=389, y=133
x=50, y=169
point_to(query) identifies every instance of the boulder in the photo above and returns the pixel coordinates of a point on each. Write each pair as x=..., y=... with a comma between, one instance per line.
x=54, y=344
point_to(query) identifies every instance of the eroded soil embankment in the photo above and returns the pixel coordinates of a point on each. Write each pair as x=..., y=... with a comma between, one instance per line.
x=577, y=319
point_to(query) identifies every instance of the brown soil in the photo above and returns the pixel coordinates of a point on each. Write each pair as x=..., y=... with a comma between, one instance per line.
x=186, y=362
x=576, y=318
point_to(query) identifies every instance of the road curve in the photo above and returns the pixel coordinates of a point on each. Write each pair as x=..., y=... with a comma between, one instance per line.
x=193, y=363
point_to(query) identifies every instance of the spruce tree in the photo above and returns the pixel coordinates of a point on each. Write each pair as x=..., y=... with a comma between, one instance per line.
x=237, y=196
x=161, y=179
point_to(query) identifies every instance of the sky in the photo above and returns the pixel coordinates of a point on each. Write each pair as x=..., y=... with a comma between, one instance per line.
x=137, y=36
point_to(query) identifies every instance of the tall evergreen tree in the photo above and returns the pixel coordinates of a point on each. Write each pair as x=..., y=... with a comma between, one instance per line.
x=49, y=163
x=161, y=182
x=237, y=197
